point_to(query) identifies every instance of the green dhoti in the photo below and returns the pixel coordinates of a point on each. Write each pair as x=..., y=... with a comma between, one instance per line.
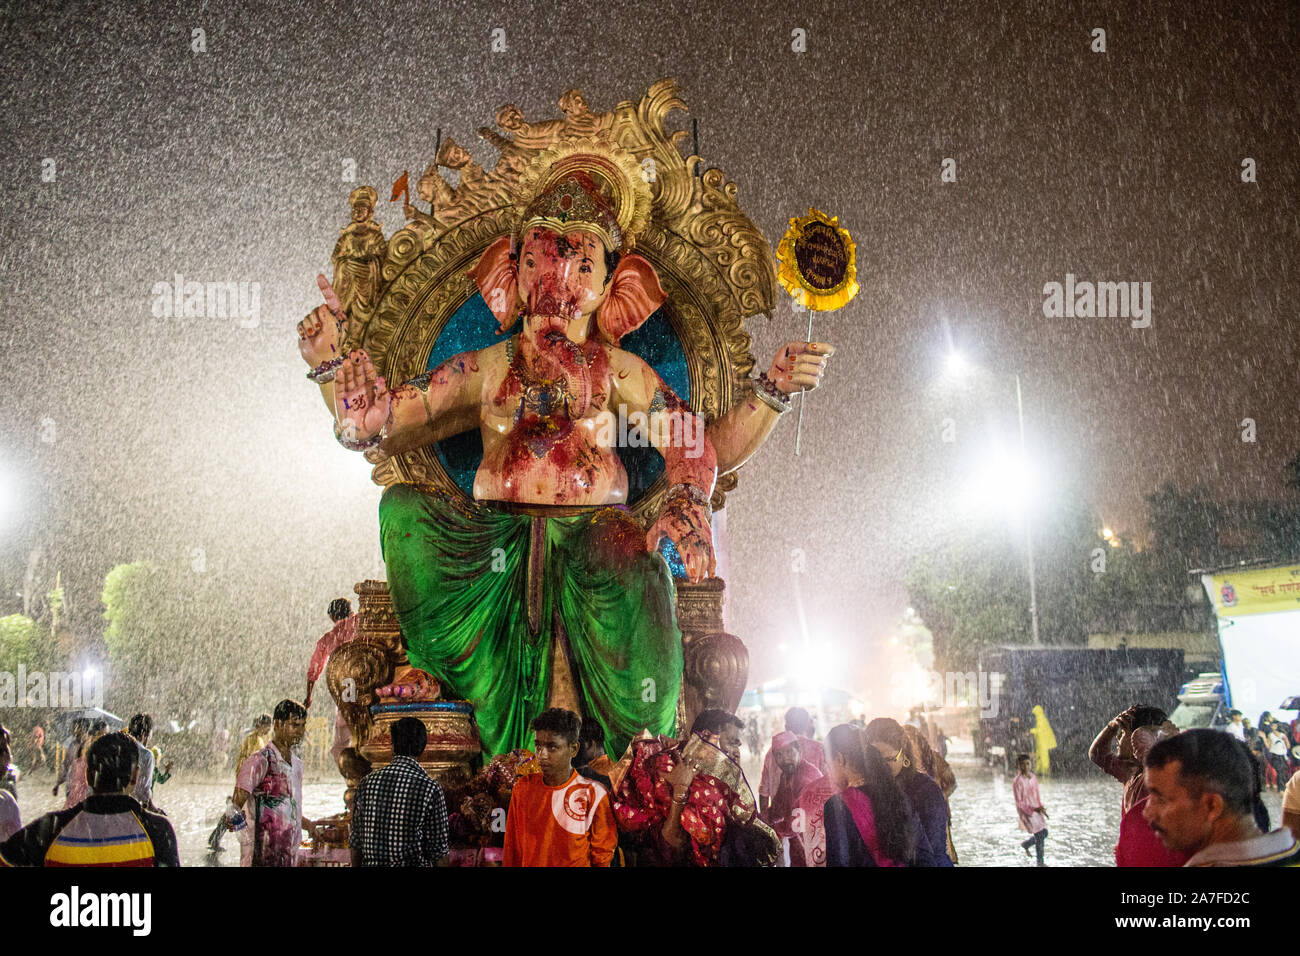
x=483, y=595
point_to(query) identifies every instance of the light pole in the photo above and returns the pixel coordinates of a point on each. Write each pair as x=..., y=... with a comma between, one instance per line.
x=1029, y=537
x=957, y=365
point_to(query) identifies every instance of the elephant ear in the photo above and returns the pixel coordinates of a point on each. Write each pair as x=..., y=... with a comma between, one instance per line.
x=634, y=294
x=497, y=277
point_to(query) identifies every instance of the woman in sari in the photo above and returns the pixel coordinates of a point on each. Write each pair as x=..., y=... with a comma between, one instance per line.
x=869, y=822
x=688, y=802
x=936, y=768
x=891, y=742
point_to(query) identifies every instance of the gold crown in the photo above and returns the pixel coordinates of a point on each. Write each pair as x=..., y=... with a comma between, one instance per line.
x=588, y=184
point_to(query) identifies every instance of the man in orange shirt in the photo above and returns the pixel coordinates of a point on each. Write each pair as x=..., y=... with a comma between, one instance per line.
x=556, y=817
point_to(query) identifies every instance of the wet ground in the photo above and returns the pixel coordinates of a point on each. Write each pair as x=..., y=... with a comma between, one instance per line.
x=1083, y=824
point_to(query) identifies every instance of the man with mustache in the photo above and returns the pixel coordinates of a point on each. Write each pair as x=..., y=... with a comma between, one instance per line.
x=546, y=592
x=1203, y=794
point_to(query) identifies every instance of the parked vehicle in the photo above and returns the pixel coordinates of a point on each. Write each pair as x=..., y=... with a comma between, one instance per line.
x=1079, y=688
x=1202, y=703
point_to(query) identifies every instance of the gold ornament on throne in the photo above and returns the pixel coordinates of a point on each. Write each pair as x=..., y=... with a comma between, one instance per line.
x=713, y=263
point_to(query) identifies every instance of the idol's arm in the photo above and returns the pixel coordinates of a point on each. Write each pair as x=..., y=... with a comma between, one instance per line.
x=690, y=465
x=741, y=431
x=320, y=337
x=431, y=406
x=448, y=397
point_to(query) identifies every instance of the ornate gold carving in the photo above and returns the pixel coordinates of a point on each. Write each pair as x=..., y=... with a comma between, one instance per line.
x=352, y=674
x=451, y=746
x=699, y=606
x=716, y=664
x=724, y=484
x=358, y=667
x=354, y=768
x=378, y=621
x=714, y=263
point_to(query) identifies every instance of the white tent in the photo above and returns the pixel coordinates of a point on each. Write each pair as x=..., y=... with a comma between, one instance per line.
x=1259, y=631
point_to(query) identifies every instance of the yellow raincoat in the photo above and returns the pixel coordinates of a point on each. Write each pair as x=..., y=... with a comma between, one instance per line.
x=1044, y=741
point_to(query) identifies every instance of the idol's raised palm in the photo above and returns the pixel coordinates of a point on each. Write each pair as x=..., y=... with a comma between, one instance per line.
x=361, y=397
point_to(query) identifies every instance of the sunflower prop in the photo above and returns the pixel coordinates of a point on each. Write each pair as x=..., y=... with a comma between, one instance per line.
x=816, y=266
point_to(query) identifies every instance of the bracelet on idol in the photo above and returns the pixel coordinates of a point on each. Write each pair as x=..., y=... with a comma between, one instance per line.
x=356, y=444
x=765, y=391
x=324, y=372
x=696, y=494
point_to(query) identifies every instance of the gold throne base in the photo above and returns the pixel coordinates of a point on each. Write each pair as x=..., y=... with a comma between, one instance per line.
x=716, y=665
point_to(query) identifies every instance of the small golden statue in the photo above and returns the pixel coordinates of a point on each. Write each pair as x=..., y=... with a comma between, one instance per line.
x=579, y=121
x=434, y=190
x=357, y=258
x=473, y=180
x=515, y=149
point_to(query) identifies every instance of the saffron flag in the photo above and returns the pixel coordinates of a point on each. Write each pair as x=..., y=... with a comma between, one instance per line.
x=401, y=187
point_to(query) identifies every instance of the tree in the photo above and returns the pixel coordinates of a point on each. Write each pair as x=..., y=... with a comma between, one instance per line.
x=1279, y=530
x=133, y=594
x=973, y=591
x=180, y=646
x=970, y=592
x=1185, y=526
x=16, y=641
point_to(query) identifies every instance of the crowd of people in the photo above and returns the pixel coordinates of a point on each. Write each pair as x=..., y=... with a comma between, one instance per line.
x=109, y=817
x=1192, y=798
x=871, y=794
x=1271, y=742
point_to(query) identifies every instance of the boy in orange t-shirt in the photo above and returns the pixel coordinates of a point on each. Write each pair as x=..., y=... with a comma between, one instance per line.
x=556, y=817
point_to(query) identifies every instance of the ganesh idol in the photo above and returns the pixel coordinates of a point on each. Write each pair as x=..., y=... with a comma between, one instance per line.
x=544, y=590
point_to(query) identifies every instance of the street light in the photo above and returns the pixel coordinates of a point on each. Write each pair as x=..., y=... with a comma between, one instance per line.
x=957, y=367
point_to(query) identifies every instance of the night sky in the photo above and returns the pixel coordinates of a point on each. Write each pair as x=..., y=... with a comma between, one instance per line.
x=171, y=435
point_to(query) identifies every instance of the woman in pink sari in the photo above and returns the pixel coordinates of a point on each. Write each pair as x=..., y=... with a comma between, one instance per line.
x=812, y=803
x=869, y=822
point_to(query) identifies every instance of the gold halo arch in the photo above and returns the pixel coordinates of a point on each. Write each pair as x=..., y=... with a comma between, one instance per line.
x=714, y=264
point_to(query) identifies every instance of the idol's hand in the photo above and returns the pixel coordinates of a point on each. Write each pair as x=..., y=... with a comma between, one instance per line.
x=361, y=397
x=799, y=365
x=686, y=524
x=320, y=332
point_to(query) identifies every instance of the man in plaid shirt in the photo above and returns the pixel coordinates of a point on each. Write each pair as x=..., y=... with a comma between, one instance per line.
x=399, y=817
